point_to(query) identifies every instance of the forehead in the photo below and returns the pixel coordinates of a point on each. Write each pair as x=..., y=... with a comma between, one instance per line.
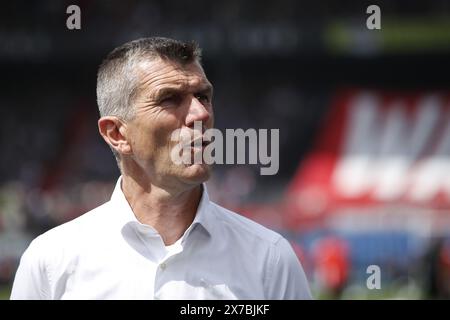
x=159, y=73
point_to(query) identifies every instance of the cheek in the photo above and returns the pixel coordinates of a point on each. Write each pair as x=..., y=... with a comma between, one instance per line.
x=211, y=118
x=161, y=138
x=154, y=137
x=142, y=140
x=154, y=124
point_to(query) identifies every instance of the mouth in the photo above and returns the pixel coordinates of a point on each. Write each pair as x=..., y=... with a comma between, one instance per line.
x=199, y=142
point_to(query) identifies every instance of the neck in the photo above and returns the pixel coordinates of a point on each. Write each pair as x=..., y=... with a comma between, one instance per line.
x=170, y=212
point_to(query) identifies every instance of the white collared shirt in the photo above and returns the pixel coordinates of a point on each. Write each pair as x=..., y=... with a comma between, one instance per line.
x=108, y=254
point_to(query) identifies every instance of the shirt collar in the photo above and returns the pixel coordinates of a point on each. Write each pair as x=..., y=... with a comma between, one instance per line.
x=125, y=214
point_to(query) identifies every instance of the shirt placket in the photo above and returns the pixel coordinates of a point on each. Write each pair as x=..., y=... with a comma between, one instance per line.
x=164, y=268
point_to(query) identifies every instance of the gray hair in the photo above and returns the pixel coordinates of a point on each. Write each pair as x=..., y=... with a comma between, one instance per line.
x=117, y=77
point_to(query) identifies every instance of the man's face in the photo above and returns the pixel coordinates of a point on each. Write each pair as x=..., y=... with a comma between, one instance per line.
x=170, y=96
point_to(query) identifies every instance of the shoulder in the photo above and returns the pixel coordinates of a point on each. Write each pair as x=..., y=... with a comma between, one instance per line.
x=281, y=271
x=69, y=234
x=51, y=254
x=236, y=223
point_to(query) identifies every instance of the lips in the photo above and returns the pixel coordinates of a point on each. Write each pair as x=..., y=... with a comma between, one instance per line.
x=198, y=142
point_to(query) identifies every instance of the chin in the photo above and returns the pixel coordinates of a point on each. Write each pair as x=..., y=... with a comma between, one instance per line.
x=197, y=173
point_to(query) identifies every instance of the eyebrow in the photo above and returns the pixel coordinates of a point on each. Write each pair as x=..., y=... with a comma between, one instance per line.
x=161, y=93
x=207, y=88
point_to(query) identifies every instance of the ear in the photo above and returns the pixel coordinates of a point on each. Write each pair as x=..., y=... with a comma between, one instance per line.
x=114, y=132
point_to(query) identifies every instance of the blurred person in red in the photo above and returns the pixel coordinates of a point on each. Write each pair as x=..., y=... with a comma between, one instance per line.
x=159, y=237
x=331, y=264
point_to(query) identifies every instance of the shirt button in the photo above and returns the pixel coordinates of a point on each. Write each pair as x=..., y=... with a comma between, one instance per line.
x=163, y=266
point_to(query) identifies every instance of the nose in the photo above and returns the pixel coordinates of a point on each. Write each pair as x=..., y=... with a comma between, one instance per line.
x=197, y=112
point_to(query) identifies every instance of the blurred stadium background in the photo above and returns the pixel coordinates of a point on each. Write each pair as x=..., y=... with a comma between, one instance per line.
x=364, y=119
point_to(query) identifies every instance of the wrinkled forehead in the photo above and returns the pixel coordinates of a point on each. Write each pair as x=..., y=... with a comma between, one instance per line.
x=156, y=73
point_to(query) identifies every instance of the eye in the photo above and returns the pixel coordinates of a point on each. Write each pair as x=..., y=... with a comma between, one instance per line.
x=170, y=99
x=203, y=98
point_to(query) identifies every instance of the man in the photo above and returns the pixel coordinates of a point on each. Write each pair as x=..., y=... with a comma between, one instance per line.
x=159, y=237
